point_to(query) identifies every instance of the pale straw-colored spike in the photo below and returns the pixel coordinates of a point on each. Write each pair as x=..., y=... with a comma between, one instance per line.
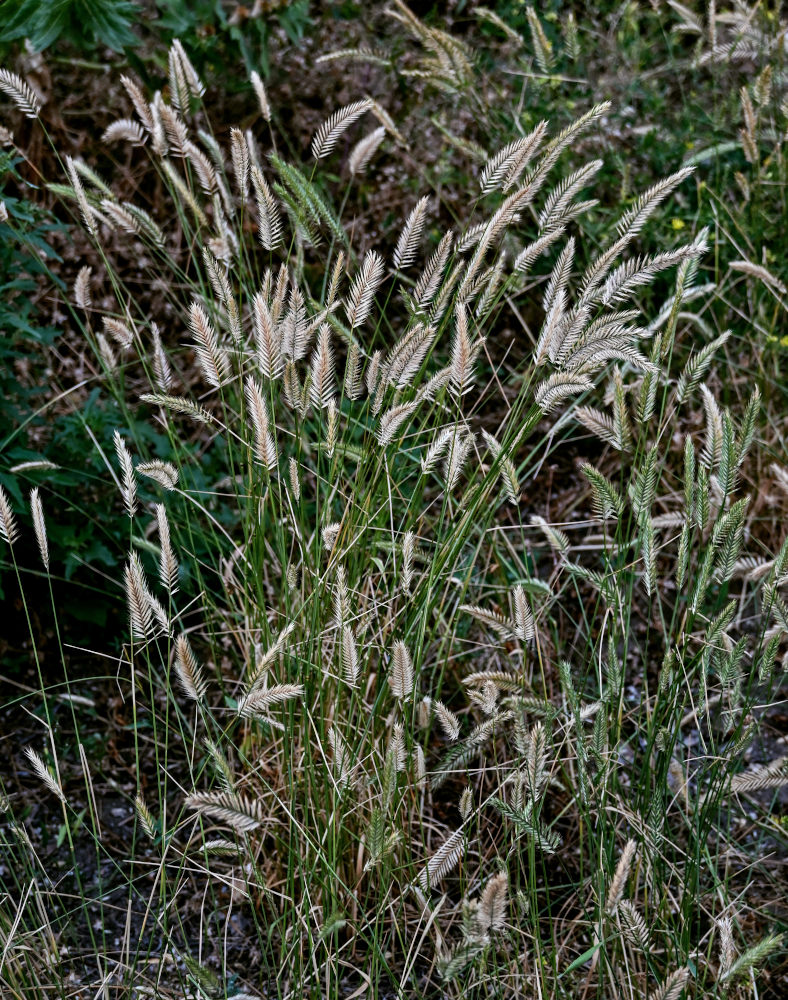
x=82, y=201
x=129, y=489
x=525, y=628
x=262, y=96
x=240, y=155
x=265, y=446
x=39, y=524
x=211, y=357
x=349, y=656
x=168, y=564
x=364, y=150
x=258, y=702
x=190, y=673
x=405, y=251
x=269, y=358
x=138, y=598
x=362, y=291
x=125, y=130
x=20, y=92
x=44, y=774
x=456, y=457
x=82, y=288
x=138, y=100
x=400, y=675
x=442, y=861
x=162, y=372
x=408, y=551
x=617, y=885
x=164, y=473
x=494, y=904
x=449, y=722
x=332, y=130
x=322, y=386
x=9, y=530
x=295, y=480
x=193, y=83
x=392, y=420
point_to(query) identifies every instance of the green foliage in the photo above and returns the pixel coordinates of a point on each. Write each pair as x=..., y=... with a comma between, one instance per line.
x=86, y=24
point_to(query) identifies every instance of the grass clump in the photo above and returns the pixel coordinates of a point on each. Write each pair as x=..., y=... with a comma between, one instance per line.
x=393, y=728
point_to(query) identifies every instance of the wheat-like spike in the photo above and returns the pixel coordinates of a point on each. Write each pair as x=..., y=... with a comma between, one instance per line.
x=20, y=92
x=396, y=748
x=494, y=904
x=190, y=673
x=341, y=598
x=341, y=757
x=45, y=774
x=463, y=353
x=294, y=338
x=408, y=354
x=535, y=764
x=400, y=676
x=164, y=473
x=392, y=420
x=238, y=811
x=179, y=404
x=194, y=85
x=364, y=150
x=257, y=702
x=430, y=278
x=616, y=890
x=525, y=628
x=560, y=386
x=638, y=271
x=527, y=257
x=82, y=288
x=332, y=427
x=262, y=96
x=120, y=332
x=456, y=457
x=558, y=540
x=727, y=949
x=449, y=722
x=264, y=660
x=209, y=180
x=138, y=598
x=634, y=926
x=240, y=157
x=269, y=225
x=125, y=130
x=295, y=481
x=39, y=524
x=349, y=656
x=405, y=252
x=145, y=817
x=492, y=619
x=504, y=168
x=753, y=956
x=632, y=221
x=322, y=386
x=265, y=446
x=106, y=352
x=408, y=550
x=508, y=472
x=772, y=775
x=138, y=100
x=269, y=358
x=211, y=357
x=129, y=489
x=175, y=130
x=673, y=986
x=79, y=192
x=362, y=291
x=757, y=271
x=352, y=384
x=712, y=448
x=332, y=130
x=442, y=861
x=168, y=564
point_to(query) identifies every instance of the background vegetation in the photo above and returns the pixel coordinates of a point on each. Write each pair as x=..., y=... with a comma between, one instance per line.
x=391, y=613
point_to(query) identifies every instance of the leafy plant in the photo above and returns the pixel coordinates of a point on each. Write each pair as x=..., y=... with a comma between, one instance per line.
x=85, y=23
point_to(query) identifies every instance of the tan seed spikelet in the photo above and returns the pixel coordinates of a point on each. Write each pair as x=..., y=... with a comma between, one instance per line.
x=211, y=358
x=262, y=96
x=295, y=480
x=82, y=288
x=456, y=457
x=756, y=271
x=238, y=811
x=392, y=420
x=616, y=890
x=408, y=551
x=349, y=655
x=494, y=904
x=129, y=489
x=405, y=251
x=352, y=383
x=44, y=774
x=194, y=85
x=179, y=404
x=673, y=986
x=511, y=484
x=463, y=353
x=175, y=130
x=139, y=102
x=560, y=386
x=240, y=156
x=209, y=180
x=145, y=817
x=400, y=675
x=106, y=352
x=39, y=524
x=265, y=446
x=190, y=673
x=341, y=598
x=269, y=217
x=36, y=465
x=257, y=702
x=120, y=332
x=341, y=757
x=9, y=531
x=634, y=926
x=396, y=747
x=372, y=373
x=362, y=291
x=20, y=92
x=364, y=150
x=266, y=337
x=331, y=534
x=168, y=564
x=772, y=775
x=164, y=473
x=442, y=861
x=322, y=387
x=465, y=805
x=82, y=201
x=523, y=617
x=419, y=766
x=449, y=722
x=437, y=448
x=125, y=130
x=138, y=598
x=727, y=950
x=332, y=130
